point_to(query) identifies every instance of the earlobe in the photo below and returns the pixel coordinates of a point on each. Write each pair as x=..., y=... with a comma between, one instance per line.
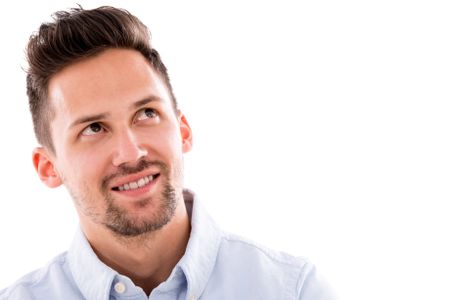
x=186, y=133
x=45, y=168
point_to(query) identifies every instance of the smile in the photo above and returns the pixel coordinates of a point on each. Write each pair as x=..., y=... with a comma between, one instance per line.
x=134, y=185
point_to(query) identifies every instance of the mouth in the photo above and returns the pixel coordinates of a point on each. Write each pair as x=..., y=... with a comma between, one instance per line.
x=137, y=184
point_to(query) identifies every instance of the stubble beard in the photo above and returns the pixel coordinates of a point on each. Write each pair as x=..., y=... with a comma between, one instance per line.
x=117, y=219
x=121, y=223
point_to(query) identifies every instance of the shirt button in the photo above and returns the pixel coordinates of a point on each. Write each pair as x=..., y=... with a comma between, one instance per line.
x=119, y=287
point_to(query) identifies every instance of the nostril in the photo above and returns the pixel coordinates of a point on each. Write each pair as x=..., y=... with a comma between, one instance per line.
x=128, y=152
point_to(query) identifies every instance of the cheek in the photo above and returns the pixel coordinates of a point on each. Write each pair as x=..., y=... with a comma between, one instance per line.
x=167, y=143
x=86, y=167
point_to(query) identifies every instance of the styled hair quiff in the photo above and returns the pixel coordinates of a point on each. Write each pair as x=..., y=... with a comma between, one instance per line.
x=72, y=36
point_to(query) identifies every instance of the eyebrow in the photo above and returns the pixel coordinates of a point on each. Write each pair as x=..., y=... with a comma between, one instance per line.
x=145, y=101
x=92, y=118
x=88, y=119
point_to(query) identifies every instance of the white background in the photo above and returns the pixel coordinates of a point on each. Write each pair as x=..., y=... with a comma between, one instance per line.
x=321, y=129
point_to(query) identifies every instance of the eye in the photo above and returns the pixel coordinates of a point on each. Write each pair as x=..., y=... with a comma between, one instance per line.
x=92, y=129
x=146, y=113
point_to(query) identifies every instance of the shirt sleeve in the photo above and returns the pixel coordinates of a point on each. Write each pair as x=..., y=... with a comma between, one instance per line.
x=16, y=293
x=312, y=286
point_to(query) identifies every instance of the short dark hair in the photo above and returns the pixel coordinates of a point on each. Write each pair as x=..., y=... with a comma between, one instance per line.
x=72, y=36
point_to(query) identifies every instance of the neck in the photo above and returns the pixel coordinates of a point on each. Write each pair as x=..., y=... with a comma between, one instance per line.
x=147, y=259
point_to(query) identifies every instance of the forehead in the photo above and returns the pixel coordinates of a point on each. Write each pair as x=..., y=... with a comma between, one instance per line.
x=111, y=79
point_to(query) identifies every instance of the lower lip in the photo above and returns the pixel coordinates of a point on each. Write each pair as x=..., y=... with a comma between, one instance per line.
x=139, y=191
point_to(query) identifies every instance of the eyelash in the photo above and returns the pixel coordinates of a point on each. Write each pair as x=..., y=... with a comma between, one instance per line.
x=143, y=110
x=153, y=111
x=89, y=127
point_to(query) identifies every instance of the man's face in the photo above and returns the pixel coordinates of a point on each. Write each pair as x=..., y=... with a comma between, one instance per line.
x=118, y=142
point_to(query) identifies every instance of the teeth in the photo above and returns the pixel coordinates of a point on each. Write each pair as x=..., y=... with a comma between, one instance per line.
x=141, y=182
x=136, y=184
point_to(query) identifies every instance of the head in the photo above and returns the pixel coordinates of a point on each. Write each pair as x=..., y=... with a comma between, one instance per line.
x=106, y=117
x=74, y=35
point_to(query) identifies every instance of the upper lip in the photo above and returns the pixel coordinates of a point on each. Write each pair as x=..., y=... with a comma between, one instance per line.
x=131, y=178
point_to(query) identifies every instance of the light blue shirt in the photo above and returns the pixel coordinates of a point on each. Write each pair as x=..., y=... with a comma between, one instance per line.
x=216, y=265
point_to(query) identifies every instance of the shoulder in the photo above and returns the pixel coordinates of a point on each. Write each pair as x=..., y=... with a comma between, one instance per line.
x=41, y=283
x=239, y=248
x=275, y=273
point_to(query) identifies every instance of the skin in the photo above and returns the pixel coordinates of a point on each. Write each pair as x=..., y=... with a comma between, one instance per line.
x=93, y=156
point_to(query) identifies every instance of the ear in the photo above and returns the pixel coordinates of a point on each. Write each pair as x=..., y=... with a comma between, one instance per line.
x=186, y=133
x=45, y=168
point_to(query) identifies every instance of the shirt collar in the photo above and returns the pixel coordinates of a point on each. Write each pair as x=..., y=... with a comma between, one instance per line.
x=94, y=278
x=201, y=252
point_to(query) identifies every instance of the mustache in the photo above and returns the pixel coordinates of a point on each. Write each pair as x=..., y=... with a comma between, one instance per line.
x=124, y=170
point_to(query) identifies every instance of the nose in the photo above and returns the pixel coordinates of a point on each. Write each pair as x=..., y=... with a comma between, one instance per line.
x=127, y=149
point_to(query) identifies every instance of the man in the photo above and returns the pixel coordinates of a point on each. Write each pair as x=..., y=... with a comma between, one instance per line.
x=110, y=131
